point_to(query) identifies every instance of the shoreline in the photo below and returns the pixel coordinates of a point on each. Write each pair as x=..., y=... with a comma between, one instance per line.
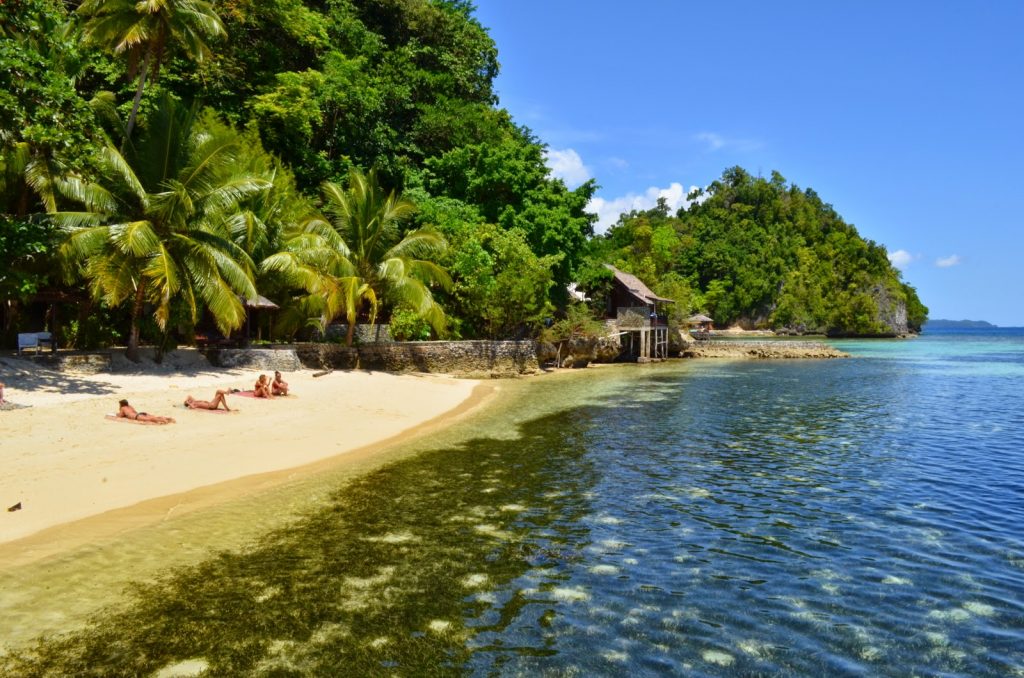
x=94, y=478
x=79, y=477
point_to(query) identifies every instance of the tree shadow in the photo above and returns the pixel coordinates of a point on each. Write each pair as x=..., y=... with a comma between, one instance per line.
x=24, y=375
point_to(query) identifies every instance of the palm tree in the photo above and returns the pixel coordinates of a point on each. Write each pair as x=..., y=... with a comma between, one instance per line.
x=154, y=228
x=358, y=259
x=143, y=29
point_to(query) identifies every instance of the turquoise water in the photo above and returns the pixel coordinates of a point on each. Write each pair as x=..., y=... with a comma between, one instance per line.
x=843, y=517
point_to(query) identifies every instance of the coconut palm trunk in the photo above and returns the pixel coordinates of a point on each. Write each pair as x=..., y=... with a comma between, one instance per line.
x=143, y=71
x=132, y=351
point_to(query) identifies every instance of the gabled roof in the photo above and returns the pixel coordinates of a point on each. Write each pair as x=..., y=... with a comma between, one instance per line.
x=636, y=287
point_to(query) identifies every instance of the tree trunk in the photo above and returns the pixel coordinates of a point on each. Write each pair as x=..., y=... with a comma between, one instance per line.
x=132, y=353
x=138, y=98
x=351, y=332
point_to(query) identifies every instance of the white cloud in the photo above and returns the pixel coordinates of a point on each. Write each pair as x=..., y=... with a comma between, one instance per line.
x=608, y=211
x=567, y=165
x=716, y=142
x=901, y=259
x=946, y=262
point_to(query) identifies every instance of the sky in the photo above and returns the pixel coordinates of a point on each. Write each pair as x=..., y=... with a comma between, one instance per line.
x=908, y=117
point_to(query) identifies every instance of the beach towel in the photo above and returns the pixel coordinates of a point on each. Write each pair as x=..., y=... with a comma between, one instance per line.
x=114, y=417
x=252, y=394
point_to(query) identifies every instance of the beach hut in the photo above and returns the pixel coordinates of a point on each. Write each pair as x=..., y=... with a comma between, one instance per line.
x=639, y=315
x=256, y=304
x=700, y=325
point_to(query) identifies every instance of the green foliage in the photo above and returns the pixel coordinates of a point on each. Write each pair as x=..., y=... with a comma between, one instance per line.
x=24, y=266
x=510, y=185
x=155, y=224
x=500, y=286
x=358, y=259
x=323, y=88
x=407, y=325
x=578, y=323
x=917, y=312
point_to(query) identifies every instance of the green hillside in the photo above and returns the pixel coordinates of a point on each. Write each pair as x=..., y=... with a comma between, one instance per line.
x=764, y=254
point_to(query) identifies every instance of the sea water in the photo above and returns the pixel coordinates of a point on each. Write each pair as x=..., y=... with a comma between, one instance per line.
x=862, y=516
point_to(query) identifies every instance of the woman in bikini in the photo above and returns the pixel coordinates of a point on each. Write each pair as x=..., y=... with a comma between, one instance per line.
x=279, y=386
x=217, y=401
x=262, y=388
x=126, y=411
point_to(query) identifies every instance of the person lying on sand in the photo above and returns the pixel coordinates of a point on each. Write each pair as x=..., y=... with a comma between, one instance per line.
x=218, y=400
x=126, y=411
x=279, y=386
x=262, y=388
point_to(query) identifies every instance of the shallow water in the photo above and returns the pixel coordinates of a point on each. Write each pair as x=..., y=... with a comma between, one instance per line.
x=846, y=517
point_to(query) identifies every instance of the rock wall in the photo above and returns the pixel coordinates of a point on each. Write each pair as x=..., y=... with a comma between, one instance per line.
x=284, y=359
x=462, y=358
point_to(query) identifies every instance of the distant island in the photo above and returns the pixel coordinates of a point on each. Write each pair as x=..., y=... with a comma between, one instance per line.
x=950, y=324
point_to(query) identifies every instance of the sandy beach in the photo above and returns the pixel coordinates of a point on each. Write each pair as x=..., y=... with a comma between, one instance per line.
x=63, y=461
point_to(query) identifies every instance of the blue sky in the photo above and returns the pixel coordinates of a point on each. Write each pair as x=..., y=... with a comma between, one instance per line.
x=907, y=117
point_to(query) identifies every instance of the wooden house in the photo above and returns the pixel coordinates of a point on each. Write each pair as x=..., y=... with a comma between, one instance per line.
x=639, y=316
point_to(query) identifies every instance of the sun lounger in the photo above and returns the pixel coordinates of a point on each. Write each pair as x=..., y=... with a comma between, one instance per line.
x=34, y=340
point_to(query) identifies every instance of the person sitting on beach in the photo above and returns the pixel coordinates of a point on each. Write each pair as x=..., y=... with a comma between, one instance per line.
x=262, y=388
x=218, y=400
x=279, y=386
x=126, y=411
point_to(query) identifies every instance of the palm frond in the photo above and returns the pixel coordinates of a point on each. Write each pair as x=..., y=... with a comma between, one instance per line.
x=135, y=238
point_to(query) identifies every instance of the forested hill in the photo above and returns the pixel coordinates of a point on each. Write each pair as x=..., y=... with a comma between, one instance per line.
x=765, y=254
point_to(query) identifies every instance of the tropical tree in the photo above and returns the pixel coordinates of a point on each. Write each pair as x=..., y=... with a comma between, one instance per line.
x=357, y=260
x=156, y=224
x=145, y=29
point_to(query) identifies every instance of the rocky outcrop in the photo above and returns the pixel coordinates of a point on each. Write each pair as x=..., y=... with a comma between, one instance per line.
x=892, y=311
x=761, y=350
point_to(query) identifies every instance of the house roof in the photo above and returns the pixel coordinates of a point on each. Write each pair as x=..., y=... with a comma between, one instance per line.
x=699, y=318
x=636, y=287
x=259, y=302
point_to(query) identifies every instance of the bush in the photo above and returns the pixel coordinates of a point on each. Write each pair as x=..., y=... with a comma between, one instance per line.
x=406, y=325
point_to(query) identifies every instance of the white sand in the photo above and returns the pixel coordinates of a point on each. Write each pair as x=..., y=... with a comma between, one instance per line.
x=63, y=461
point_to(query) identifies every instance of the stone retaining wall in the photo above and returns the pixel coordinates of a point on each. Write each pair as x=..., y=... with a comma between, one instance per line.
x=461, y=358
x=283, y=359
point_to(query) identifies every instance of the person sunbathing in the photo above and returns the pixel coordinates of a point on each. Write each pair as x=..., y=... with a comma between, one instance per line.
x=217, y=401
x=262, y=388
x=279, y=386
x=126, y=411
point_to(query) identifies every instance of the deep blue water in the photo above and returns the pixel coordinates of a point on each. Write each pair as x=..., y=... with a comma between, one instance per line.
x=859, y=517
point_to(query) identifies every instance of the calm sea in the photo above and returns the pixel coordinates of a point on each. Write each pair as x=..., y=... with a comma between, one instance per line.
x=843, y=517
